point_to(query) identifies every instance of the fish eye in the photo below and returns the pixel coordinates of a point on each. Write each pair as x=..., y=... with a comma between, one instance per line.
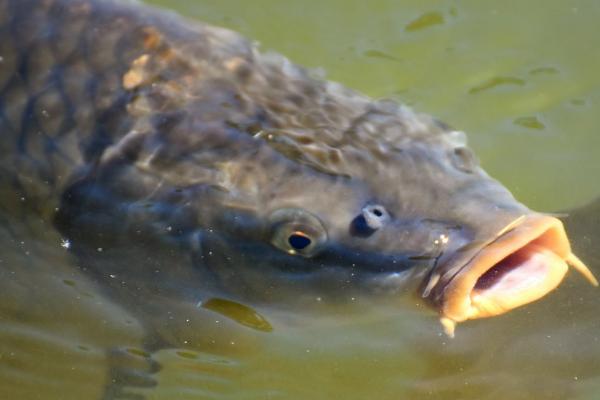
x=297, y=232
x=464, y=159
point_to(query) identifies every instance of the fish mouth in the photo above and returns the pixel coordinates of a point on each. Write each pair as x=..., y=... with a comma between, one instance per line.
x=524, y=262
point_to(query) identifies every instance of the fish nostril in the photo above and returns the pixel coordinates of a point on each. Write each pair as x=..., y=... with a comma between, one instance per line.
x=375, y=216
x=371, y=218
x=360, y=228
x=464, y=159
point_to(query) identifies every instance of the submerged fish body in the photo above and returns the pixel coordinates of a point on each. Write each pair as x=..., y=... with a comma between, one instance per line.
x=123, y=122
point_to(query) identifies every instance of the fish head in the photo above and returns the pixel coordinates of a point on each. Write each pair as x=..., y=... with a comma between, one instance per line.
x=383, y=209
x=333, y=194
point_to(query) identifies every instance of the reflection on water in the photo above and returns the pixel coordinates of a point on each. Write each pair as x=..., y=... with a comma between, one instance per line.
x=528, y=95
x=240, y=313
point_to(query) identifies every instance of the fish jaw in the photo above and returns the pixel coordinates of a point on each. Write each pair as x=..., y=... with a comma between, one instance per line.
x=521, y=265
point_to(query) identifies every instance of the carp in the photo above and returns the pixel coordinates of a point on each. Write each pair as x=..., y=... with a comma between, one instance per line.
x=121, y=122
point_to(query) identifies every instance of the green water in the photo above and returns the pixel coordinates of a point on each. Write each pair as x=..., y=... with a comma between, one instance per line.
x=521, y=78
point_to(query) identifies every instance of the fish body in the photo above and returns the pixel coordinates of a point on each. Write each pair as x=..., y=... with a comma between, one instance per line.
x=121, y=122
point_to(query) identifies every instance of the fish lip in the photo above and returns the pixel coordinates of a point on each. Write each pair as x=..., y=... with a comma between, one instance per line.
x=535, y=234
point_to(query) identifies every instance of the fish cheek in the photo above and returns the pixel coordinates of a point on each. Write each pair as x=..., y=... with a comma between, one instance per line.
x=226, y=269
x=245, y=268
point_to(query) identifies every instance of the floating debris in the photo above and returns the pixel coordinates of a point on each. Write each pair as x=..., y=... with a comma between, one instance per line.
x=426, y=20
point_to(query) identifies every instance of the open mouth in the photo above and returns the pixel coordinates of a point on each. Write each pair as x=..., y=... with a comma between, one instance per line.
x=526, y=260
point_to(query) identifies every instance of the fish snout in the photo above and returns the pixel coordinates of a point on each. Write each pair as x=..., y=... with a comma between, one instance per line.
x=522, y=263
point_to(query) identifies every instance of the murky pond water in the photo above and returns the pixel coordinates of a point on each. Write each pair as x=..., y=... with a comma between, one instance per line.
x=521, y=78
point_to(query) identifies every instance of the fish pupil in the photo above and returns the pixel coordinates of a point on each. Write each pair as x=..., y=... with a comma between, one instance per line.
x=299, y=241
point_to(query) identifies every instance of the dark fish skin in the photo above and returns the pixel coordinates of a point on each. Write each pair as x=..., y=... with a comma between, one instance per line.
x=132, y=127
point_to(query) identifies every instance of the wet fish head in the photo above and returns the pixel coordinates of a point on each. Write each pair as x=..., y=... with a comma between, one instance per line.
x=296, y=188
x=398, y=201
